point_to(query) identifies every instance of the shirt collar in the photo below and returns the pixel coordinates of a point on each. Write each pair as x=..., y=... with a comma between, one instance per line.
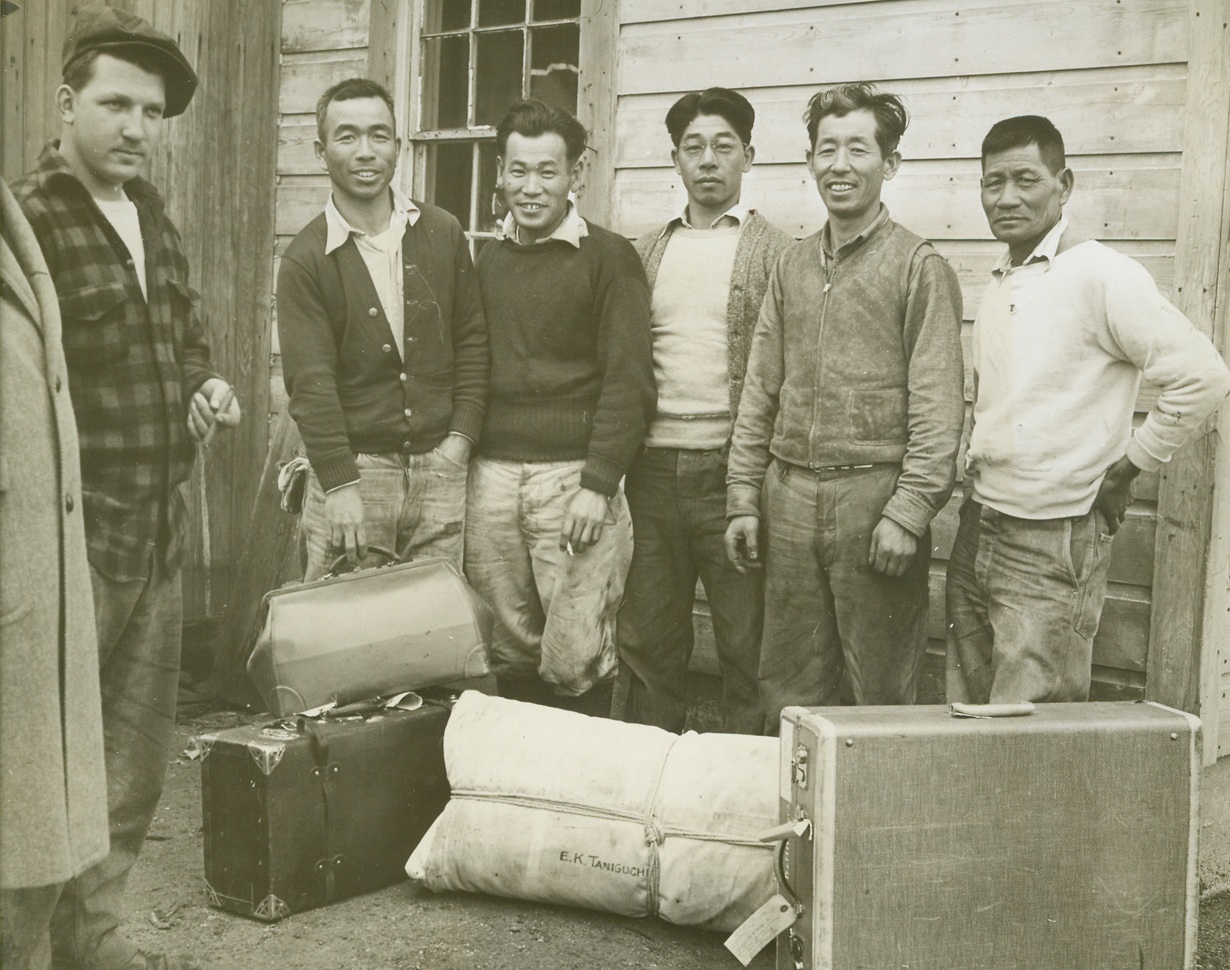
x=826, y=237
x=339, y=230
x=1045, y=251
x=52, y=167
x=572, y=229
x=739, y=212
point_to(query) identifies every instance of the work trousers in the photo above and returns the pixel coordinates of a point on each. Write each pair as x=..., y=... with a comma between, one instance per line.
x=828, y=614
x=140, y=626
x=413, y=505
x=1024, y=599
x=554, y=612
x=678, y=503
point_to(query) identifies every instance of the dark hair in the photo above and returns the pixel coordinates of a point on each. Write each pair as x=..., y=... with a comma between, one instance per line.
x=1027, y=130
x=348, y=90
x=531, y=118
x=80, y=70
x=723, y=102
x=890, y=114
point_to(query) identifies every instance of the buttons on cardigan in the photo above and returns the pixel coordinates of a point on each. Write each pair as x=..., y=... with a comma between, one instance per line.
x=402, y=378
x=69, y=503
x=387, y=348
x=372, y=312
x=408, y=412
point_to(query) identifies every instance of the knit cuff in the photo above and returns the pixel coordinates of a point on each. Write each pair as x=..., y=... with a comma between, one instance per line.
x=601, y=475
x=1141, y=458
x=742, y=500
x=335, y=469
x=467, y=420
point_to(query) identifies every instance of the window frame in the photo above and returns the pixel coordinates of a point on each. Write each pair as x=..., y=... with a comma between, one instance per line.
x=402, y=28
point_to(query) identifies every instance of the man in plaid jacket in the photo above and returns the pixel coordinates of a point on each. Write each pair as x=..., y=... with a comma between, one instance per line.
x=143, y=391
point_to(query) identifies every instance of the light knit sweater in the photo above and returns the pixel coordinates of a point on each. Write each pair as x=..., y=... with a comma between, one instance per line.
x=760, y=244
x=1060, y=345
x=689, y=339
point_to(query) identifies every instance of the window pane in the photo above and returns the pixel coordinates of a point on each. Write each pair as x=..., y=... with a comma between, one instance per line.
x=497, y=74
x=556, y=9
x=495, y=13
x=448, y=177
x=490, y=208
x=553, y=65
x=446, y=85
x=446, y=15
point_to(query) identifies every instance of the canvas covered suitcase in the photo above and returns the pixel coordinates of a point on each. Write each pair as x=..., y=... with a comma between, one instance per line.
x=301, y=813
x=1061, y=840
x=369, y=633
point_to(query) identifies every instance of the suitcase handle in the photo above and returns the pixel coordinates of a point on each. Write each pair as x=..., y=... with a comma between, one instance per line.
x=336, y=569
x=1024, y=708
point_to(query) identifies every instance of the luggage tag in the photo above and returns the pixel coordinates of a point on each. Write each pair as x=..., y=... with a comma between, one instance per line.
x=778, y=913
x=761, y=928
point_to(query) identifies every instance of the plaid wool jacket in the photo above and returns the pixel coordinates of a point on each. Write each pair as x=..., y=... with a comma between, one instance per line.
x=133, y=366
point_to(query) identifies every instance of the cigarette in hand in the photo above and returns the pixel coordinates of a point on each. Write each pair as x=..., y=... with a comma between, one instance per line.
x=213, y=422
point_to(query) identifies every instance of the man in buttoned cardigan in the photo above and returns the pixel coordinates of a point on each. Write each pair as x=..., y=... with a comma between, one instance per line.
x=384, y=349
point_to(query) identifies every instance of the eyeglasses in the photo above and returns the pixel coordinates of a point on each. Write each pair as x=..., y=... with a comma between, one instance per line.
x=724, y=148
x=996, y=184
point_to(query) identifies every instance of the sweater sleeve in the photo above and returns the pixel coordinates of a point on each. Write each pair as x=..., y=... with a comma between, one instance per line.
x=758, y=407
x=309, y=370
x=1149, y=331
x=935, y=380
x=471, y=354
x=628, y=396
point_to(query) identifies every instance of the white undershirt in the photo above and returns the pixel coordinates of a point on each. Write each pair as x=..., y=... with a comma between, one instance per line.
x=381, y=254
x=122, y=214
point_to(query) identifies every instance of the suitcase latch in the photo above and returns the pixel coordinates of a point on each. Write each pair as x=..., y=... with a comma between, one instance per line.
x=798, y=767
x=327, y=772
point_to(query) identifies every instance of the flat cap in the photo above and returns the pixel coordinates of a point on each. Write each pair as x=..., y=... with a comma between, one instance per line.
x=111, y=31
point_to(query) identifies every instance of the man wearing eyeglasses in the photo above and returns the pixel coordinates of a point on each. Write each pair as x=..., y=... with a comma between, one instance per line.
x=1065, y=331
x=847, y=433
x=708, y=269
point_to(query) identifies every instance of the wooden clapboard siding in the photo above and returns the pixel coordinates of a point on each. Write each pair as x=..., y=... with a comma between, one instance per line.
x=1131, y=197
x=215, y=168
x=1116, y=110
x=1114, y=78
x=898, y=39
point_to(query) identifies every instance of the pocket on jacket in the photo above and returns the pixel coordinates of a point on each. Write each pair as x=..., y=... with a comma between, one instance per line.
x=93, y=323
x=878, y=415
x=184, y=299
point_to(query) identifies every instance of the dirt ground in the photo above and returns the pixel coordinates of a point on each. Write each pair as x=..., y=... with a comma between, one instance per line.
x=404, y=928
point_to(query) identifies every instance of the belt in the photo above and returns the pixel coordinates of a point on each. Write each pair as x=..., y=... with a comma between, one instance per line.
x=838, y=471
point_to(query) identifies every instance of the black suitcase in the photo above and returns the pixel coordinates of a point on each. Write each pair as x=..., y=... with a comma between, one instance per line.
x=299, y=813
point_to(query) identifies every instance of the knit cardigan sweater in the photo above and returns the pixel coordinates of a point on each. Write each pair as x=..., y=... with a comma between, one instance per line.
x=350, y=391
x=571, y=364
x=759, y=246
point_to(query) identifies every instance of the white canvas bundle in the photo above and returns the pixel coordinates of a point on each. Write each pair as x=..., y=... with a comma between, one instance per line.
x=557, y=807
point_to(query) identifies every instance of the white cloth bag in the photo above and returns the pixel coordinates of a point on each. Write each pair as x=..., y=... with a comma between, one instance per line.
x=557, y=807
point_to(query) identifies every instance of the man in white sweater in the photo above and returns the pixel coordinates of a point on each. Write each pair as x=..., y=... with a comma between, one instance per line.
x=1065, y=331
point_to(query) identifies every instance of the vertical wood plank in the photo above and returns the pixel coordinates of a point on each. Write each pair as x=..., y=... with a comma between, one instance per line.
x=596, y=107
x=1185, y=497
x=1215, y=656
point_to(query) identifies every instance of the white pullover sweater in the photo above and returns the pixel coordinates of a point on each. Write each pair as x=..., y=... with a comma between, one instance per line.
x=1060, y=345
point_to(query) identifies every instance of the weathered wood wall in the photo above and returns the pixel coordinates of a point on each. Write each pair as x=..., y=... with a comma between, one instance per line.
x=216, y=169
x=1114, y=78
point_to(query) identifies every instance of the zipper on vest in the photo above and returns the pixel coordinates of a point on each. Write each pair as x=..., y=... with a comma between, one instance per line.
x=815, y=406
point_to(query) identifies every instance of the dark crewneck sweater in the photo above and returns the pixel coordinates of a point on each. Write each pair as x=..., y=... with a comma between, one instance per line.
x=571, y=358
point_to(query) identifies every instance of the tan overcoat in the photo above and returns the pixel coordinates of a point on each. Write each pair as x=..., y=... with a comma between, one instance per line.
x=53, y=794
